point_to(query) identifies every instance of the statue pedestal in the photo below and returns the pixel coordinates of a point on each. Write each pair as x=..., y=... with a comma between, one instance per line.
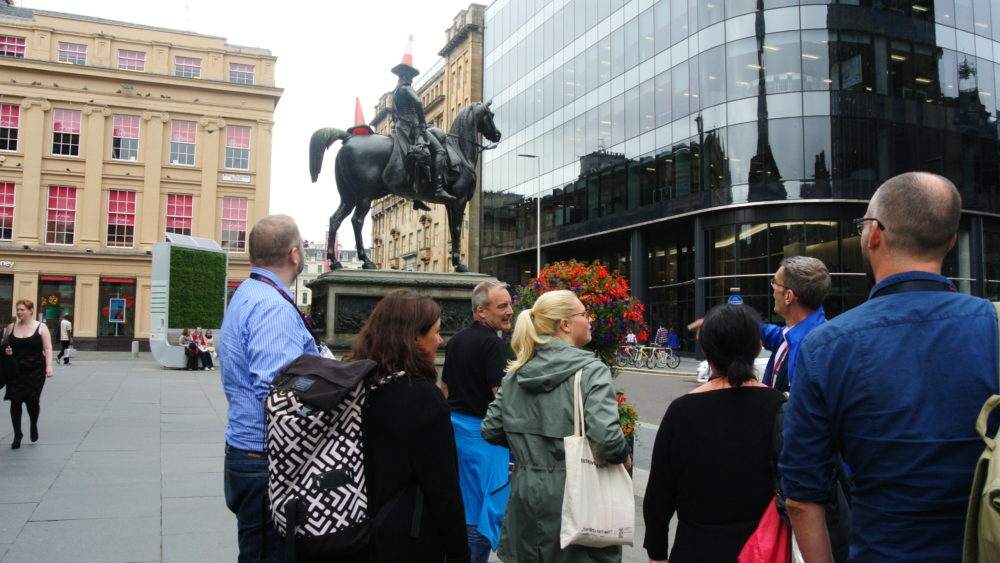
x=342, y=300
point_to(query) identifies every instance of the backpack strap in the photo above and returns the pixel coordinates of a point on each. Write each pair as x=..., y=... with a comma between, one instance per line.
x=992, y=402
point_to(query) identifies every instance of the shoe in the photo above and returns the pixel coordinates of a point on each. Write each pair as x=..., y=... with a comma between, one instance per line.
x=17, y=441
x=420, y=206
x=34, y=433
x=441, y=195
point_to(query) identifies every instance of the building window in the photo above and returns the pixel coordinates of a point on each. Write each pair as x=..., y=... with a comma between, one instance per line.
x=182, y=142
x=131, y=60
x=73, y=53
x=125, y=137
x=66, y=132
x=61, y=223
x=6, y=211
x=241, y=73
x=10, y=115
x=234, y=224
x=180, y=208
x=121, y=218
x=187, y=67
x=238, y=147
x=11, y=46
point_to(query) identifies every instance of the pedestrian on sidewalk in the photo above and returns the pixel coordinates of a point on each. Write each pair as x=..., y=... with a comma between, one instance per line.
x=473, y=369
x=29, y=342
x=65, y=337
x=261, y=333
x=712, y=456
x=410, y=461
x=893, y=387
x=531, y=414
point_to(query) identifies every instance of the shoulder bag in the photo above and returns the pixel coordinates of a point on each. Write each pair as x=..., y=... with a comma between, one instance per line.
x=598, y=507
x=982, y=522
x=8, y=364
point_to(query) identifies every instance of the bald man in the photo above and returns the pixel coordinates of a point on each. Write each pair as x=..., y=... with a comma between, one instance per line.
x=894, y=387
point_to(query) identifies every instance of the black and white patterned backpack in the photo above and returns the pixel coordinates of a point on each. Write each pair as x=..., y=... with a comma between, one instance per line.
x=316, y=464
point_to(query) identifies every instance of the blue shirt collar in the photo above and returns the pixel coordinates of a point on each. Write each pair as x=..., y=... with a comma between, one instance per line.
x=907, y=276
x=273, y=277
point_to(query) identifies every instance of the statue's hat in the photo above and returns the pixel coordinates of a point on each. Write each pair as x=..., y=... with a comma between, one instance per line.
x=405, y=69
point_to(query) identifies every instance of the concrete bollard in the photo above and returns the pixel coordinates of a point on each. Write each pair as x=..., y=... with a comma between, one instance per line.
x=135, y=349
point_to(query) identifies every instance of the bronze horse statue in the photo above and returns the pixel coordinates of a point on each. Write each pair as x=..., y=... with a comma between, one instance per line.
x=361, y=160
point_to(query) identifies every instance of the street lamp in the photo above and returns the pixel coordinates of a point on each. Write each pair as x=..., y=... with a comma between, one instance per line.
x=538, y=214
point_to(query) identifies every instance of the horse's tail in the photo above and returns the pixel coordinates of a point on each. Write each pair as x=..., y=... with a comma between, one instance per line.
x=320, y=141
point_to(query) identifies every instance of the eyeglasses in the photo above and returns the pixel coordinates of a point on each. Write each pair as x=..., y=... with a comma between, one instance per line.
x=583, y=313
x=774, y=283
x=860, y=222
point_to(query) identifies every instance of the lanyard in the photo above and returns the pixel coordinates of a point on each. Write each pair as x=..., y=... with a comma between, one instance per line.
x=302, y=314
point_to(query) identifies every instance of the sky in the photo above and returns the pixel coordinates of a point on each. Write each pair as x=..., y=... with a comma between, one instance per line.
x=328, y=54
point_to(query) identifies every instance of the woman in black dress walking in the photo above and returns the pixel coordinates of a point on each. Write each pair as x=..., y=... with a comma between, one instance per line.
x=30, y=343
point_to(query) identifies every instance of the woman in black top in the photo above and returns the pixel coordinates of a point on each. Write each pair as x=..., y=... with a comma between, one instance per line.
x=410, y=459
x=712, y=455
x=29, y=342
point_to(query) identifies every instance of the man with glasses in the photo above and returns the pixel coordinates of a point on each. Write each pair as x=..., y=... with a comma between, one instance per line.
x=900, y=413
x=798, y=287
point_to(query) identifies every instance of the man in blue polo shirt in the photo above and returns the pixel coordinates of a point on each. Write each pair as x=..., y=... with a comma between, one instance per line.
x=261, y=333
x=901, y=413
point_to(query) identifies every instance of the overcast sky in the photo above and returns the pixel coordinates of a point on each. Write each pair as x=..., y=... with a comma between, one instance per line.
x=328, y=54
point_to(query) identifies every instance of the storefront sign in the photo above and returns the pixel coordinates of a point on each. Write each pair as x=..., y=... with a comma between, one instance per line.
x=6, y=264
x=236, y=178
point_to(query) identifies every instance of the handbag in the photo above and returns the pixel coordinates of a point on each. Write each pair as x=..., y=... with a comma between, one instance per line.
x=982, y=523
x=8, y=364
x=771, y=542
x=598, y=507
x=70, y=352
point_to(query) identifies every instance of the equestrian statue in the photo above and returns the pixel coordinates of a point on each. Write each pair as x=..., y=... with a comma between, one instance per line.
x=414, y=161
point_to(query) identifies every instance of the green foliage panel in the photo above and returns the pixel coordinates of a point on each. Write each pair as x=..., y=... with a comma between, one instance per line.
x=197, y=288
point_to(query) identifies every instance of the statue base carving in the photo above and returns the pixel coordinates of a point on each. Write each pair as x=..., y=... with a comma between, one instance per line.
x=342, y=300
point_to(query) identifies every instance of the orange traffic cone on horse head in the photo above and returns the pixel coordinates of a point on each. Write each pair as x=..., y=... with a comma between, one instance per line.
x=360, y=127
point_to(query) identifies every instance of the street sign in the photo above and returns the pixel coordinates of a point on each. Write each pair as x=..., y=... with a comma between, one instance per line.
x=735, y=300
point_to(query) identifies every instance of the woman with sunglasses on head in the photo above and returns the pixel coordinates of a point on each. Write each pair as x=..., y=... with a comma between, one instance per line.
x=531, y=414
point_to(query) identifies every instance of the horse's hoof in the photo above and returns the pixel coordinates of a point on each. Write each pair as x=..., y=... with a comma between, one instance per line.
x=336, y=265
x=461, y=268
x=369, y=266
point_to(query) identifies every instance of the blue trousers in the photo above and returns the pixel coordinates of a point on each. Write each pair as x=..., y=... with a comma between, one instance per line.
x=245, y=482
x=479, y=545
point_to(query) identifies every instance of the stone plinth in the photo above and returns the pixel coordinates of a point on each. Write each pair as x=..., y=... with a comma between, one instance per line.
x=342, y=300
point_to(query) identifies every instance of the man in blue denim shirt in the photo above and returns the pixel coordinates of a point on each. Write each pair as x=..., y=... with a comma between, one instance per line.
x=870, y=387
x=261, y=333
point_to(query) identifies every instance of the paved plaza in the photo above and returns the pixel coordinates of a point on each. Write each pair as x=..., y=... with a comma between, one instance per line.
x=129, y=468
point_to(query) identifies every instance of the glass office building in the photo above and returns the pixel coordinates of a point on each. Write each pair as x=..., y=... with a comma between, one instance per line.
x=693, y=144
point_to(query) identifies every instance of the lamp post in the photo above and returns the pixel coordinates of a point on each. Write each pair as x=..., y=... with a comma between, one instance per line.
x=538, y=214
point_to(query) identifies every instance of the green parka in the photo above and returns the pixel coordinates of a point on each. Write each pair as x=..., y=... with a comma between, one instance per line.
x=531, y=414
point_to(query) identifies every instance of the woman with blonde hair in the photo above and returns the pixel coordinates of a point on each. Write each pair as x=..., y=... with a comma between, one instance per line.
x=531, y=414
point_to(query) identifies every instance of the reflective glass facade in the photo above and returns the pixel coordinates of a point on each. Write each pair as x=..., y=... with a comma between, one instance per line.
x=693, y=144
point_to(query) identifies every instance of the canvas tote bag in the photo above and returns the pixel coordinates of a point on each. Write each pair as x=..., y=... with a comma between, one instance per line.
x=598, y=505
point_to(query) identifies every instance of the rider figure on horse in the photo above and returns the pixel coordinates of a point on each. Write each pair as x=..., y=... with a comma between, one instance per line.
x=411, y=133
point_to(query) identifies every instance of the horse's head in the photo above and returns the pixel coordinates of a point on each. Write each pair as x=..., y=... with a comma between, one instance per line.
x=484, y=122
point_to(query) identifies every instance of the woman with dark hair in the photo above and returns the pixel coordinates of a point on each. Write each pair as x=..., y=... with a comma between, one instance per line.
x=410, y=458
x=712, y=457
x=28, y=340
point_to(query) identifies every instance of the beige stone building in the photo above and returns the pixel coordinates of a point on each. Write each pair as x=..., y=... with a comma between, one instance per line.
x=405, y=239
x=111, y=136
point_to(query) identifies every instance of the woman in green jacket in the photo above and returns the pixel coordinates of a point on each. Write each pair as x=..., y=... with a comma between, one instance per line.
x=531, y=414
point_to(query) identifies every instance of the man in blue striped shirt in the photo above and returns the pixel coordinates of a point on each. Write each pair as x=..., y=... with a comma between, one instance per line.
x=261, y=333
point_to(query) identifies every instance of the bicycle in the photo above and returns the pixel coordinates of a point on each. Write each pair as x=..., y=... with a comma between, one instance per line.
x=645, y=357
x=665, y=357
x=625, y=355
